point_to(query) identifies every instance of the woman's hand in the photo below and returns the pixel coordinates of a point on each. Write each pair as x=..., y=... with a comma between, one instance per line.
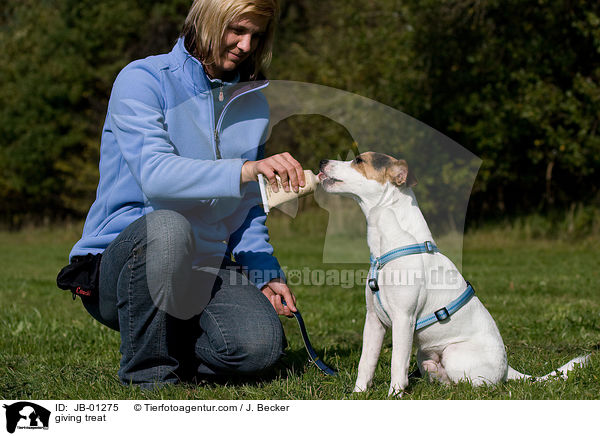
x=283, y=165
x=276, y=289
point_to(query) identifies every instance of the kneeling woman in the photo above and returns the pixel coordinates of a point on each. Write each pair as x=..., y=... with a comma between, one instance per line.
x=176, y=221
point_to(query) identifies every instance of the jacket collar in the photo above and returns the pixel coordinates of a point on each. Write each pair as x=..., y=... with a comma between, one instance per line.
x=191, y=68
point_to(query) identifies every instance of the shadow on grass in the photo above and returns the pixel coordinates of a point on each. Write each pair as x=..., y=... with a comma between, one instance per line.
x=295, y=363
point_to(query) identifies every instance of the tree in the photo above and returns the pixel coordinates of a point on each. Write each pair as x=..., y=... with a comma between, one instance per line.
x=63, y=56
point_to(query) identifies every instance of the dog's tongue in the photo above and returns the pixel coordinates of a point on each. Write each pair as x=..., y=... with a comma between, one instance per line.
x=321, y=176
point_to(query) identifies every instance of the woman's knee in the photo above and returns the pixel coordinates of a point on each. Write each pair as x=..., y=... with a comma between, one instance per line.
x=262, y=349
x=169, y=230
x=169, y=255
x=240, y=339
x=169, y=245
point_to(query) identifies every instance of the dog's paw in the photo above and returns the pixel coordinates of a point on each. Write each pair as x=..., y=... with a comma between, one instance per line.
x=360, y=388
x=395, y=392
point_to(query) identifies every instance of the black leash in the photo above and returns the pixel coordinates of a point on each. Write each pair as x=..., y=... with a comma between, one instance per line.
x=311, y=351
x=314, y=356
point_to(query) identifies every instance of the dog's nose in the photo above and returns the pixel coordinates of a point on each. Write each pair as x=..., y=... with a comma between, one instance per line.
x=323, y=163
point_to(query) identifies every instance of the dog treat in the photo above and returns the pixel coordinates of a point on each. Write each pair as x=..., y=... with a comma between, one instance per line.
x=272, y=199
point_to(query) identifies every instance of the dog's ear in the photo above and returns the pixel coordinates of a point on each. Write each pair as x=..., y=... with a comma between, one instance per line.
x=400, y=175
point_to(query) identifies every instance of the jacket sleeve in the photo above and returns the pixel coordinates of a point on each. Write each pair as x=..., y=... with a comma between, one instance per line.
x=137, y=120
x=251, y=248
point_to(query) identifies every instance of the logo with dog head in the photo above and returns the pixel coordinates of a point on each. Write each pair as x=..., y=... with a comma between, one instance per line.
x=26, y=415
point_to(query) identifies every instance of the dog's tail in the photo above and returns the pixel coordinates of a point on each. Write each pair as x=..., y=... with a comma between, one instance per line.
x=580, y=361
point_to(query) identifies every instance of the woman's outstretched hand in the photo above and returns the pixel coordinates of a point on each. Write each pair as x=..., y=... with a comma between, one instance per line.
x=282, y=165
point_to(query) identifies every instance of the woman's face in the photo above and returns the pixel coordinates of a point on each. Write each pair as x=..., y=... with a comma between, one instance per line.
x=239, y=41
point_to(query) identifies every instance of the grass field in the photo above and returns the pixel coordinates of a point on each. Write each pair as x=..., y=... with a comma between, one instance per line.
x=543, y=293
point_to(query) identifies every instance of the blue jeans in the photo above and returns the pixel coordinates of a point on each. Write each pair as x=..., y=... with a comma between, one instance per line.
x=177, y=322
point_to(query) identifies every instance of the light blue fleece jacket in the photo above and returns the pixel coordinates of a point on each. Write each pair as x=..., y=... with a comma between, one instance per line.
x=163, y=149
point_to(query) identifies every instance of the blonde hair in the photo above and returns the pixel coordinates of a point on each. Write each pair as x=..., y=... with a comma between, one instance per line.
x=208, y=20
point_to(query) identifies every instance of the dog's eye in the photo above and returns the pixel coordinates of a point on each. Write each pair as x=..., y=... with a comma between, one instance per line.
x=358, y=160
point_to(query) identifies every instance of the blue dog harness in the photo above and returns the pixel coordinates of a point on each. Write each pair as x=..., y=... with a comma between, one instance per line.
x=376, y=264
x=429, y=248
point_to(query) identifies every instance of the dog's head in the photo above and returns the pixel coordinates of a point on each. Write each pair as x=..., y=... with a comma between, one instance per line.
x=365, y=176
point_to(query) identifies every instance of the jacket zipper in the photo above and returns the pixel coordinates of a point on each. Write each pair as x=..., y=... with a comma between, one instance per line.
x=217, y=151
x=220, y=121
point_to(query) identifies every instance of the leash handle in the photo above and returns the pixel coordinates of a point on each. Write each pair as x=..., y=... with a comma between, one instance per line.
x=314, y=357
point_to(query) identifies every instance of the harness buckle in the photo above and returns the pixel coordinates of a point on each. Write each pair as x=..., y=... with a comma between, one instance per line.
x=373, y=285
x=442, y=314
x=429, y=247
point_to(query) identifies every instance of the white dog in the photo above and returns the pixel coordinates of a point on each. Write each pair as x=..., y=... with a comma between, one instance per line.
x=413, y=288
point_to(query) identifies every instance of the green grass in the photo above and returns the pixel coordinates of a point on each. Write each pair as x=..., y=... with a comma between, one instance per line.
x=543, y=294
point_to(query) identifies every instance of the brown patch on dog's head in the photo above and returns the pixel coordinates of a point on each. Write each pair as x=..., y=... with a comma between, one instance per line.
x=399, y=174
x=383, y=168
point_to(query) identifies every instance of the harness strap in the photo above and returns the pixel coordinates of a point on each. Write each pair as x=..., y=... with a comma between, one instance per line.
x=379, y=262
x=445, y=312
x=426, y=247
